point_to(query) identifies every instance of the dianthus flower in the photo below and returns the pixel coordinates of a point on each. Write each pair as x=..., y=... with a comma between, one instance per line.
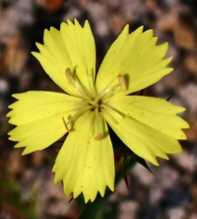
x=92, y=101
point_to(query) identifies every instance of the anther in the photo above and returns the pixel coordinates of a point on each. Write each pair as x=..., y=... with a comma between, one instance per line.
x=75, y=81
x=124, y=81
x=69, y=123
x=70, y=75
x=100, y=136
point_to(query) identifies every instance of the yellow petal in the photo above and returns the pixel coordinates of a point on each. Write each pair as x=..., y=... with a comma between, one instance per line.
x=153, y=112
x=35, y=105
x=85, y=162
x=143, y=140
x=39, y=116
x=136, y=55
x=38, y=135
x=72, y=47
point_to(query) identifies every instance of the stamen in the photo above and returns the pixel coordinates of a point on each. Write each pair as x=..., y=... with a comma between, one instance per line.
x=69, y=123
x=74, y=80
x=91, y=81
x=100, y=136
x=123, y=81
x=100, y=130
x=70, y=120
x=70, y=76
x=109, y=91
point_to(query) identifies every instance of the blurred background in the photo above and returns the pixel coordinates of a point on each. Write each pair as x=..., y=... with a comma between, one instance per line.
x=26, y=184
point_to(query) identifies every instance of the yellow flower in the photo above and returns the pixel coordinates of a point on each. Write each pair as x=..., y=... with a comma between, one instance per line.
x=149, y=126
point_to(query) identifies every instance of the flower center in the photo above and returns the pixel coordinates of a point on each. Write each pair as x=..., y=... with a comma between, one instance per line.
x=95, y=102
x=99, y=101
